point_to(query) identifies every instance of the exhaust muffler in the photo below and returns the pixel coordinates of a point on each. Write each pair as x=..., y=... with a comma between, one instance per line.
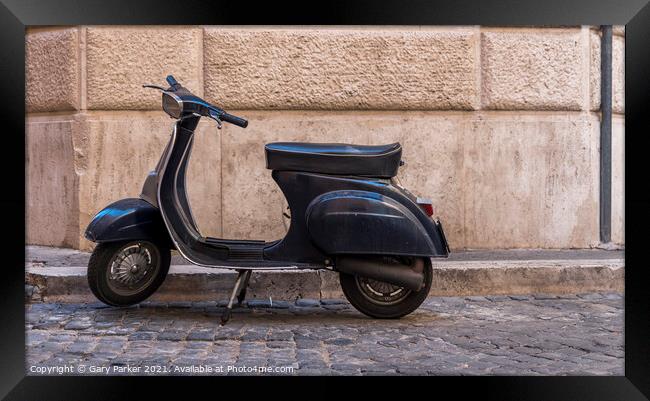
x=385, y=269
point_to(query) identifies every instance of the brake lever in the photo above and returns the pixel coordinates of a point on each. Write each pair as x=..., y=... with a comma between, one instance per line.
x=213, y=115
x=154, y=87
x=219, y=123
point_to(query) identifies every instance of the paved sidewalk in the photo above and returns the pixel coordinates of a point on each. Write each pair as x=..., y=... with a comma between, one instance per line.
x=45, y=255
x=59, y=275
x=509, y=335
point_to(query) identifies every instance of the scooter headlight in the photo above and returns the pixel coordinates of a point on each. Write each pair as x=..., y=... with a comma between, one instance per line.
x=172, y=105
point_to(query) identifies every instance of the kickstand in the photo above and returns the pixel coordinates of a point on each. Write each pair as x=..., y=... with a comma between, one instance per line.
x=238, y=291
x=242, y=293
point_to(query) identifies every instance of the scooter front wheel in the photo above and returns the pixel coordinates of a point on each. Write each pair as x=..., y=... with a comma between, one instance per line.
x=384, y=300
x=128, y=272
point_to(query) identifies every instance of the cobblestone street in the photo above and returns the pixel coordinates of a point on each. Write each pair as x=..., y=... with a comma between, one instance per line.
x=517, y=335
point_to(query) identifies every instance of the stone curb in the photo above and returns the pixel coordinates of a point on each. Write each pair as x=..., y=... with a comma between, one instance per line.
x=450, y=278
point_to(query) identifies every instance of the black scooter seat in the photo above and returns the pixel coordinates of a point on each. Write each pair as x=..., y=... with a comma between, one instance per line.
x=379, y=161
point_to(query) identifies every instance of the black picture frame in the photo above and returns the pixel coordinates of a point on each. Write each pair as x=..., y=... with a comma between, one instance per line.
x=15, y=15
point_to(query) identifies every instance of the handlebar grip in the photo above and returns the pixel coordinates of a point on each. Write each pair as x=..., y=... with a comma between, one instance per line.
x=171, y=81
x=234, y=120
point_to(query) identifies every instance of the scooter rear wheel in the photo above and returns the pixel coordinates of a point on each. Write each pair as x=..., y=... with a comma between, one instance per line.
x=128, y=272
x=383, y=300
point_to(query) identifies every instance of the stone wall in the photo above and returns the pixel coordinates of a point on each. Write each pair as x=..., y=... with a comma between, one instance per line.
x=499, y=125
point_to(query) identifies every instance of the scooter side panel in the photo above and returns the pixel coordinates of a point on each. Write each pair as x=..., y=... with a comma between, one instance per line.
x=362, y=222
x=301, y=189
x=128, y=219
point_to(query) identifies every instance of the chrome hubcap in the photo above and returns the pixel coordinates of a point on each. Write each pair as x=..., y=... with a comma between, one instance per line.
x=381, y=292
x=133, y=268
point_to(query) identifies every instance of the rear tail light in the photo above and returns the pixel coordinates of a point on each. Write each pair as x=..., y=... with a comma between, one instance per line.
x=426, y=205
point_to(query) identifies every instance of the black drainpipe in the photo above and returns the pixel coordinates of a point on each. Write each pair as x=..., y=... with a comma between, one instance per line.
x=606, y=134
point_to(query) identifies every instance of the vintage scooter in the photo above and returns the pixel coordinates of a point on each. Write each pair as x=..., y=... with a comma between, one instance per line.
x=347, y=215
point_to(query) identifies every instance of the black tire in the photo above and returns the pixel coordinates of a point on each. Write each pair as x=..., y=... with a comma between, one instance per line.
x=99, y=269
x=409, y=302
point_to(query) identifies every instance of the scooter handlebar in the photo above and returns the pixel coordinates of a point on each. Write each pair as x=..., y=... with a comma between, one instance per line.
x=212, y=110
x=238, y=121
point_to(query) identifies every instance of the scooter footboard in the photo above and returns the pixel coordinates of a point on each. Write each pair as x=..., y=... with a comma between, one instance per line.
x=362, y=222
x=128, y=219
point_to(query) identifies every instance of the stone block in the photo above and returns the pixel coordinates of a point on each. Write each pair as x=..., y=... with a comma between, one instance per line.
x=121, y=59
x=335, y=68
x=52, y=69
x=531, y=182
x=330, y=285
x=51, y=186
x=532, y=69
x=526, y=277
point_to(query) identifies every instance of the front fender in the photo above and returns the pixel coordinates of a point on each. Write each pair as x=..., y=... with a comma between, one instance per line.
x=363, y=222
x=128, y=219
